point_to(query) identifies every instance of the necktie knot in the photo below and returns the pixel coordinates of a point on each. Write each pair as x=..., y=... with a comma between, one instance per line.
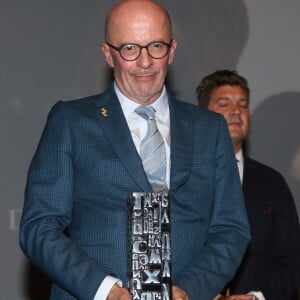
x=146, y=112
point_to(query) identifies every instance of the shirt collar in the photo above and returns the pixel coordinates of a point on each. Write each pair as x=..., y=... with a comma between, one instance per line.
x=160, y=105
x=240, y=157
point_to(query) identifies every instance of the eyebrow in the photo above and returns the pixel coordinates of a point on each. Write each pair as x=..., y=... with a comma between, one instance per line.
x=222, y=98
x=227, y=98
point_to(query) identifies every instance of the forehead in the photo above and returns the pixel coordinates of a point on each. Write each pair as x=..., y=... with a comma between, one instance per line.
x=230, y=92
x=139, y=26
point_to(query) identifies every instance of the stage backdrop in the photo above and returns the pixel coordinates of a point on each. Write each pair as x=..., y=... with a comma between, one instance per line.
x=50, y=51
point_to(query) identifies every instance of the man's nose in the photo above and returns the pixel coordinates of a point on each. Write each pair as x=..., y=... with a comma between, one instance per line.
x=235, y=109
x=145, y=60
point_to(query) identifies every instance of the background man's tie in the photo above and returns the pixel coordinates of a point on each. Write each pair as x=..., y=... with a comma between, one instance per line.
x=153, y=151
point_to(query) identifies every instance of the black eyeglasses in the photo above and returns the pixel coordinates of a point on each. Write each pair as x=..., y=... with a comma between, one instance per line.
x=132, y=51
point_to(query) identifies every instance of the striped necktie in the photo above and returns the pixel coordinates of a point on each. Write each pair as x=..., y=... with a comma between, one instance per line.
x=153, y=151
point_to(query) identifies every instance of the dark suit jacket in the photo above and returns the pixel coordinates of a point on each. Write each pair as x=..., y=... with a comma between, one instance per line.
x=271, y=262
x=74, y=218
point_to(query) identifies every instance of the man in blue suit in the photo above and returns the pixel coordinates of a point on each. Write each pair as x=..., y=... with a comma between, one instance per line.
x=271, y=265
x=87, y=164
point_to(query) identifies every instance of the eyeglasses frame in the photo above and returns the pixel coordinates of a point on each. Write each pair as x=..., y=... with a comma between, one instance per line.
x=118, y=49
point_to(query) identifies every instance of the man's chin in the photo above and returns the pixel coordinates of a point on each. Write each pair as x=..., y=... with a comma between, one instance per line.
x=236, y=138
x=146, y=96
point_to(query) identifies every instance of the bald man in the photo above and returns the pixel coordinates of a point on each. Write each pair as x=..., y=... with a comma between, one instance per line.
x=89, y=161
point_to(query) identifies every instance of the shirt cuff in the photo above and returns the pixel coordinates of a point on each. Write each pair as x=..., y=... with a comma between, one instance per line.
x=258, y=295
x=106, y=286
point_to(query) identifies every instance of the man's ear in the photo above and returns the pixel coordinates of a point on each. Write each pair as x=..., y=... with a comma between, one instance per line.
x=107, y=53
x=172, y=51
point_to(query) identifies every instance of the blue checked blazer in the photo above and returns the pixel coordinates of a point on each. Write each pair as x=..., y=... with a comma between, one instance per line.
x=74, y=220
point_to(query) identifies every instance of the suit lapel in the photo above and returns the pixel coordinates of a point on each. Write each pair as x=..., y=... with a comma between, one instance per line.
x=181, y=145
x=113, y=123
x=114, y=126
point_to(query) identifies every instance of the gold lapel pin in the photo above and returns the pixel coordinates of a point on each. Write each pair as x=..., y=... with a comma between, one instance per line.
x=104, y=112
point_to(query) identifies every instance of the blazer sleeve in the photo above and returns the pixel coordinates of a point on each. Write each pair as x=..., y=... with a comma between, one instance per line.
x=228, y=232
x=47, y=213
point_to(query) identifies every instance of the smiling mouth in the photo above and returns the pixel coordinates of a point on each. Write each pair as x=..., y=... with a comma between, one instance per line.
x=144, y=77
x=145, y=74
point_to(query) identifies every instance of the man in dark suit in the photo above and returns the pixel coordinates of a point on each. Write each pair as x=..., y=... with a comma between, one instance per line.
x=88, y=163
x=271, y=262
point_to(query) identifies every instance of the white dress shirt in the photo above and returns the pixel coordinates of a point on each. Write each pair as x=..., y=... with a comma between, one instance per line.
x=240, y=163
x=138, y=127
